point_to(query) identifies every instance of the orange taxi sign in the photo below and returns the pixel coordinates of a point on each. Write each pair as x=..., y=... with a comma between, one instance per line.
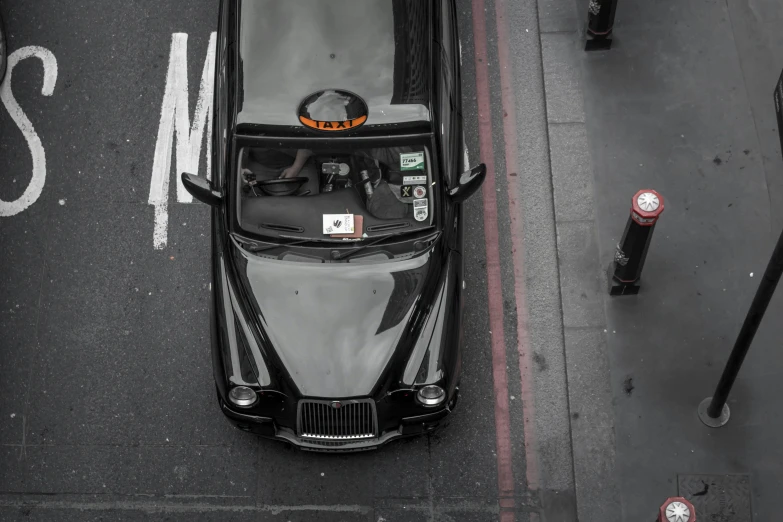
x=332, y=125
x=333, y=110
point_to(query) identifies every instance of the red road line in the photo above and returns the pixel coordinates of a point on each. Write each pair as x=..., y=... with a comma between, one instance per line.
x=494, y=284
x=517, y=247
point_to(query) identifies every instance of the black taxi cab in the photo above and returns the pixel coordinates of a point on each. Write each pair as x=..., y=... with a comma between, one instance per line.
x=337, y=270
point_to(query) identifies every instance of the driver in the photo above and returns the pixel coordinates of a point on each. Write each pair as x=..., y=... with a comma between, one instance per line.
x=277, y=163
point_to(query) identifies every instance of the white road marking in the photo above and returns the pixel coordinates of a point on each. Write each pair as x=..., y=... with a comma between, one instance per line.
x=35, y=187
x=175, y=125
x=465, y=158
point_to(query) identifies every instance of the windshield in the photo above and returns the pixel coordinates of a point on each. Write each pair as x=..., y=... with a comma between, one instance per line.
x=335, y=192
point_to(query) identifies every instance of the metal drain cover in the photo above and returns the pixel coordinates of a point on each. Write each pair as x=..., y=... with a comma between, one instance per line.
x=718, y=498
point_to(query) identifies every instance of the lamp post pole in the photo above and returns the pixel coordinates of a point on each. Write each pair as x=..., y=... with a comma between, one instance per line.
x=713, y=411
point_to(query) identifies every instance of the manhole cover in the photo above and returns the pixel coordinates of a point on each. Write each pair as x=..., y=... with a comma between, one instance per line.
x=718, y=498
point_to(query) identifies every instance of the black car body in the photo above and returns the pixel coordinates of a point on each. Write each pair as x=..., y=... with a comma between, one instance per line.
x=332, y=343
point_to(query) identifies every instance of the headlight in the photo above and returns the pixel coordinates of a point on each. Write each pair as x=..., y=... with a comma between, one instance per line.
x=242, y=396
x=431, y=395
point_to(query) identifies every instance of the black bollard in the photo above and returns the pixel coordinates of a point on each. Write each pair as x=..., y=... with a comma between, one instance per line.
x=626, y=269
x=600, y=20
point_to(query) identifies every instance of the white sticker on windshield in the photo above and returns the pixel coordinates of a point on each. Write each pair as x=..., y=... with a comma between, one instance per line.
x=412, y=161
x=338, y=224
x=414, y=180
x=420, y=209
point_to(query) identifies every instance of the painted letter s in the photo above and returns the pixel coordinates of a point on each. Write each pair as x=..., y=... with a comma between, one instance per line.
x=35, y=187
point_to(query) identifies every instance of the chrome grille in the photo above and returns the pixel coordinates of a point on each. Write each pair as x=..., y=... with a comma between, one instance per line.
x=353, y=420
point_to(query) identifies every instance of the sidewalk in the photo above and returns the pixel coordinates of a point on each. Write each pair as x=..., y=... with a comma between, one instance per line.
x=682, y=104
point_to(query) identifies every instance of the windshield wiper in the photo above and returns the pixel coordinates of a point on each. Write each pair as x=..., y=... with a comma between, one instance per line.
x=251, y=245
x=337, y=255
x=275, y=245
x=242, y=239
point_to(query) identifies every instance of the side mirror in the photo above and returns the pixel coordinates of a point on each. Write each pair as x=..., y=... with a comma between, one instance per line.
x=199, y=188
x=469, y=182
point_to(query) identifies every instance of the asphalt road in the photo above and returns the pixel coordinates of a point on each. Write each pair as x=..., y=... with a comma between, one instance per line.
x=107, y=405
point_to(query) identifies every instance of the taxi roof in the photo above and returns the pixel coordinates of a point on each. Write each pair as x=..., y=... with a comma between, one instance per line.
x=376, y=49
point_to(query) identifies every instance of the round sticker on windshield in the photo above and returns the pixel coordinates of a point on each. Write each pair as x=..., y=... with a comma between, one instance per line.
x=420, y=209
x=333, y=110
x=419, y=192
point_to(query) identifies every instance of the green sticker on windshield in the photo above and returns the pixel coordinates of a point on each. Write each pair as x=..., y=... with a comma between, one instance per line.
x=412, y=161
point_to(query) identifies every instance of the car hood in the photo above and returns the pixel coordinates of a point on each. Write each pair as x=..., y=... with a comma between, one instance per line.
x=335, y=327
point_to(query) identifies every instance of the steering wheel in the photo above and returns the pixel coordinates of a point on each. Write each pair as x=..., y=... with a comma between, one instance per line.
x=263, y=185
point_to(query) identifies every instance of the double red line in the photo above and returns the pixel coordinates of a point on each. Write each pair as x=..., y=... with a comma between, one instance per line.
x=506, y=488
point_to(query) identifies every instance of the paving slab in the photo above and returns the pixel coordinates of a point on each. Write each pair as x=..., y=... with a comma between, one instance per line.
x=580, y=274
x=572, y=176
x=562, y=78
x=556, y=16
x=718, y=497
